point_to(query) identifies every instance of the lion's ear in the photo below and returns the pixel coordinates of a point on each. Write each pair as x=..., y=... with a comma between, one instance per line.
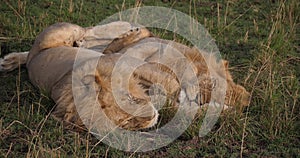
x=195, y=49
x=93, y=80
x=101, y=82
x=98, y=80
x=225, y=63
x=88, y=79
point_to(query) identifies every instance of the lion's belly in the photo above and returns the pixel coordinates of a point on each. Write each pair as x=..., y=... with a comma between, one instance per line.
x=50, y=65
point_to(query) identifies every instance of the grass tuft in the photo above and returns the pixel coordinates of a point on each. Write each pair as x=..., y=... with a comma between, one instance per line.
x=259, y=38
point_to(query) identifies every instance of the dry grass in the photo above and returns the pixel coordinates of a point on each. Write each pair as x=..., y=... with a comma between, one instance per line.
x=259, y=38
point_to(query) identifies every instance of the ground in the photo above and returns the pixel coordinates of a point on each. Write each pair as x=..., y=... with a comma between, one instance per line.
x=259, y=38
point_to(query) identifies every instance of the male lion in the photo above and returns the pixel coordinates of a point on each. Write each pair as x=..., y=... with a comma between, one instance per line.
x=53, y=66
x=236, y=95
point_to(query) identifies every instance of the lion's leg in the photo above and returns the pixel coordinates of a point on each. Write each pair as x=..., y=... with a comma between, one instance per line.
x=132, y=36
x=122, y=41
x=13, y=60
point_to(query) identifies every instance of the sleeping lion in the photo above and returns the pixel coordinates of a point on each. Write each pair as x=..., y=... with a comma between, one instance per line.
x=65, y=50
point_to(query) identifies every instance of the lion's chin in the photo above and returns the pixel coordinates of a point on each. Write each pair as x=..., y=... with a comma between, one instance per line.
x=153, y=121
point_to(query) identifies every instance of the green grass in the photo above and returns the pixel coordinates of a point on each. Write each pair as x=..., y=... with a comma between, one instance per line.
x=259, y=38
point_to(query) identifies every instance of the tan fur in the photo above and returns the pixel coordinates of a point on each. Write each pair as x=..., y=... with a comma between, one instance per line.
x=126, y=39
x=236, y=95
x=107, y=107
x=59, y=34
x=13, y=60
x=50, y=65
x=56, y=42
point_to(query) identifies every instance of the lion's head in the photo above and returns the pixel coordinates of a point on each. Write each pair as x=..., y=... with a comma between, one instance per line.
x=212, y=72
x=59, y=34
x=130, y=109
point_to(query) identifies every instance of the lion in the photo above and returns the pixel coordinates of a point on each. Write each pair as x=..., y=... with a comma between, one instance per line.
x=236, y=95
x=103, y=47
x=50, y=63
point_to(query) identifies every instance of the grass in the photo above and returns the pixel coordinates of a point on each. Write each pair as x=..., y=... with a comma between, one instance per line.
x=259, y=38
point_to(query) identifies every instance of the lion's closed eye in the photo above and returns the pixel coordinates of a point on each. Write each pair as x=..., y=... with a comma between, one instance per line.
x=133, y=99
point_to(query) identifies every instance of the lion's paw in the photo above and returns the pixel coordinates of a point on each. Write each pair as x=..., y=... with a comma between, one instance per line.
x=12, y=61
x=132, y=32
